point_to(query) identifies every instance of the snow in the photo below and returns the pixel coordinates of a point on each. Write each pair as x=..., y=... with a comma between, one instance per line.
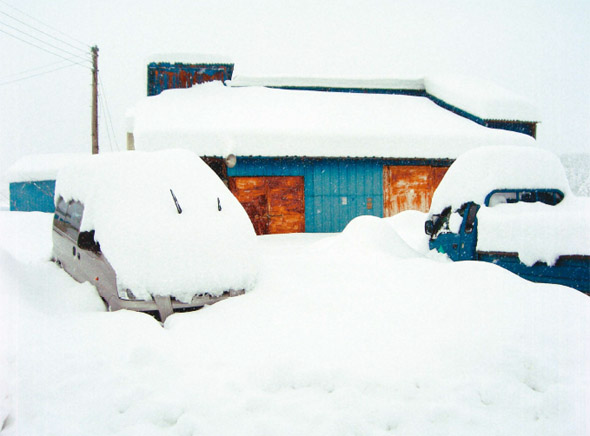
x=189, y=58
x=329, y=342
x=478, y=97
x=35, y=167
x=481, y=98
x=536, y=231
x=217, y=120
x=577, y=168
x=478, y=172
x=154, y=249
x=328, y=82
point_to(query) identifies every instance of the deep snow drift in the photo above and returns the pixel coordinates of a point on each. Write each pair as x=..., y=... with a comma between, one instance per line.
x=334, y=340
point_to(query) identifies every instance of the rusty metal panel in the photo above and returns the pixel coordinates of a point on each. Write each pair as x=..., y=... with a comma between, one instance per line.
x=166, y=75
x=436, y=176
x=409, y=187
x=274, y=204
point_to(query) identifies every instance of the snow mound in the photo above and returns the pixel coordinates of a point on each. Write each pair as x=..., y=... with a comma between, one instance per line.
x=478, y=172
x=369, y=233
x=409, y=224
x=154, y=249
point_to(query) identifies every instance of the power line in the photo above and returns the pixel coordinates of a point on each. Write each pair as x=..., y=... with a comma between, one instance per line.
x=108, y=115
x=44, y=33
x=86, y=46
x=39, y=74
x=40, y=40
x=40, y=48
x=30, y=70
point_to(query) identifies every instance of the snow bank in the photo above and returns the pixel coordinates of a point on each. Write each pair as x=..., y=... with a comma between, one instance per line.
x=409, y=224
x=209, y=247
x=329, y=343
x=478, y=172
x=536, y=231
x=41, y=166
x=373, y=235
x=216, y=120
x=481, y=98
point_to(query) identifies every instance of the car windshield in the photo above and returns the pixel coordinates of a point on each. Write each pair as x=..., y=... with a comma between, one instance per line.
x=502, y=196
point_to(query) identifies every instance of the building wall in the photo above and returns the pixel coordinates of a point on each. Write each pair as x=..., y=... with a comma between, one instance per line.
x=32, y=196
x=336, y=189
x=165, y=75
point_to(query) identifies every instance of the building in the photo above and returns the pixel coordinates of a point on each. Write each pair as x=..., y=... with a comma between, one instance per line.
x=310, y=154
x=32, y=178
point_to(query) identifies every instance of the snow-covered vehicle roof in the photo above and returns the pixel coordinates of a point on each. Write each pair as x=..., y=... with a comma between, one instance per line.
x=209, y=247
x=216, y=120
x=478, y=172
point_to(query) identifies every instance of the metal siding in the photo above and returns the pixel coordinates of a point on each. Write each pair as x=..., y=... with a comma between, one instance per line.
x=32, y=196
x=327, y=180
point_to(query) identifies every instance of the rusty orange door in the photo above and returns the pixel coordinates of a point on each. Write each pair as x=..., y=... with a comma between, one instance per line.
x=274, y=204
x=409, y=187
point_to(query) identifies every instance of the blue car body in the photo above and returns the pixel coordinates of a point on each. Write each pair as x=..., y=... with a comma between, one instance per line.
x=461, y=244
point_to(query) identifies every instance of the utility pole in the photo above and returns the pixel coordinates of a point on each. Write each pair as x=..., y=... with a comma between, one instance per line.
x=94, y=51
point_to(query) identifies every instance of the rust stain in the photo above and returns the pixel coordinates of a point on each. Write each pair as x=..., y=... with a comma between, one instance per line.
x=274, y=204
x=409, y=187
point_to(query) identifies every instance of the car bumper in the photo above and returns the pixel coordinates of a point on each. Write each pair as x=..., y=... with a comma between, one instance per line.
x=164, y=306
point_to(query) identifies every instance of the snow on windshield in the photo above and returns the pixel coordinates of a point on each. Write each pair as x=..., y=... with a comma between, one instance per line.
x=209, y=247
x=478, y=172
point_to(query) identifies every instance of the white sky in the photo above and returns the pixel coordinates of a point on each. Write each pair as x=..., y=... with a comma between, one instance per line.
x=536, y=48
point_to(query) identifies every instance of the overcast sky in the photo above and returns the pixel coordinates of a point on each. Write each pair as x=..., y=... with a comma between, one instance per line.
x=538, y=48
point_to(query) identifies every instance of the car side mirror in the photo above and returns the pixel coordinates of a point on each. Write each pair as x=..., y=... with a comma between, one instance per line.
x=86, y=242
x=429, y=227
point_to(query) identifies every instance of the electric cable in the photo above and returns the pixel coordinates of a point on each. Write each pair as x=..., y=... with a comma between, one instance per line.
x=86, y=46
x=41, y=41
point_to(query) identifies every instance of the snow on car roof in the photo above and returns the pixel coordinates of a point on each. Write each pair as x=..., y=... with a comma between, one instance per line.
x=216, y=120
x=209, y=247
x=478, y=172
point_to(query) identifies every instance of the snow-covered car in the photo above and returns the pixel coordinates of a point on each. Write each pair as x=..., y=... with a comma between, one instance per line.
x=513, y=206
x=156, y=232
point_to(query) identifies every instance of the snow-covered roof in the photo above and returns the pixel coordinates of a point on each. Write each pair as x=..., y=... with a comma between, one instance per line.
x=40, y=166
x=189, y=58
x=477, y=97
x=416, y=84
x=216, y=120
x=481, y=98
x=209, y=247
x=478, y=172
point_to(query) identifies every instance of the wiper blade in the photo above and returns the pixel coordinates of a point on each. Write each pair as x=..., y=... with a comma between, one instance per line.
x=178, y=208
